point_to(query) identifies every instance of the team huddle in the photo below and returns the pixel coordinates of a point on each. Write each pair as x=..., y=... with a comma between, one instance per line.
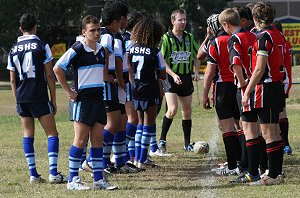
x=120, y=76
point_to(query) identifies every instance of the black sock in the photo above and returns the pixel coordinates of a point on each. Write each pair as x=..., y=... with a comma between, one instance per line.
x=274, y=151
x=165, y=128
x=244, y=154
x=253, y=149
x=281, y=157
x=284, y=128
x=187, y=126
x=231, y=143
x=263, y=161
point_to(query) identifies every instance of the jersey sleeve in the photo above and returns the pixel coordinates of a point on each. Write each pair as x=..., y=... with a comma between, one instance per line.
x=264, y=45
x=161, y=61
x=213, y=56
x=118, y=50
x=107, y=41
x=48, y=54
x=66, y=60
x=235, y=51
x=164, y=46
x=9, y=63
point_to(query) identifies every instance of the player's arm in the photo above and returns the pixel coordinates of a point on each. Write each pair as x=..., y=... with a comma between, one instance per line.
x=161, y=66
x=201, y=55
x=13, y=83
x=176, y=78
x=255, y=78
x=197, y=66
x=51, y=84
x=208, y=78
x=119, y=71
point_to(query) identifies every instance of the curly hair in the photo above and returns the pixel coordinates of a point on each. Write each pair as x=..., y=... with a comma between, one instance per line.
x=263, y=12
x=147, y=32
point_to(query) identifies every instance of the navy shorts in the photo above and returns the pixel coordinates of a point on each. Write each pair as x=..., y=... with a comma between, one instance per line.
x=34, y=110
x=143, y=105
x=225, y=100
x=88, y=112
x=185, y=89
x=110, y=97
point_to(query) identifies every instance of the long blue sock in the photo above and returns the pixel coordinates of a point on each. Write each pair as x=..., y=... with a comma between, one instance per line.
x=75, y=156
x=107, y=146
x=118, y=148
x=153, y=143
x=145, y=142
x=97, y=162
x=84, y=154
x=53, y=145
x=130, y=133
x=29, y=155
x=138, y=137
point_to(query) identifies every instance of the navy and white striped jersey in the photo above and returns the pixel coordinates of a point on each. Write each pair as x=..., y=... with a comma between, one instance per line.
x=87, y=66
x=27, y=59
x=107, y=41
x=144, y=63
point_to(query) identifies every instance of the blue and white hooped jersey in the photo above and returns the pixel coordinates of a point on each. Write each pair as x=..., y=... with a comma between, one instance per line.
x=27, y=59
x=87, y=66
x=107, y=40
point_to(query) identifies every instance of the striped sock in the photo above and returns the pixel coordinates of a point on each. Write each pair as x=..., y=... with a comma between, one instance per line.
x=30, y=156
x=118, y=148
x=130, y=133
x=97, y=162
x=75, y=156
x=231, y=144
x=153, y=142
x=253, y=149
x=53, y=144
x=138, y=137
x=107, y=146
x=145, y=142
x=275, y=157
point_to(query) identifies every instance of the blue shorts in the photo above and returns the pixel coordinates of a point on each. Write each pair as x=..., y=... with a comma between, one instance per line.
x=110, y=97
x=143, y=105
x=88, y=112
x=34, y=110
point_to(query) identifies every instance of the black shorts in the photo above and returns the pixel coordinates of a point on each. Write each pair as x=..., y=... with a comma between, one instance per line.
x=265, y=115
x=239, y=101
x=34, y=110
x=122, y=109
x=110, y=97
x=143, y=105
x=185, y=89
x=88, y=112
x=225, y=100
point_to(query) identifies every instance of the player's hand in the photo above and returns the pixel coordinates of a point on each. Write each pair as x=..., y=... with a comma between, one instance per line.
x=206, y=102
x=177, y=79
x=72, y=94
x=110, y=78
x=54, y=106
x=245, y=100
x=208, y=32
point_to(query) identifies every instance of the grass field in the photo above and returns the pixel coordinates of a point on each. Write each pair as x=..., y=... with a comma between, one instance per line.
x=183, y=175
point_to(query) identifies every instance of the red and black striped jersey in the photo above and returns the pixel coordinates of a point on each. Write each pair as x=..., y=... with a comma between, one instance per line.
x=240, y=50
x=270, y=42
x=218, y=54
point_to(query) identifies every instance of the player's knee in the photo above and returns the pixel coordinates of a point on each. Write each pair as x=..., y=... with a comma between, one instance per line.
x=171, y=112
x=186, y=114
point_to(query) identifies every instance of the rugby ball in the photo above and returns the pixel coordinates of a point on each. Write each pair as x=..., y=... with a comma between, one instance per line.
x=201, y=147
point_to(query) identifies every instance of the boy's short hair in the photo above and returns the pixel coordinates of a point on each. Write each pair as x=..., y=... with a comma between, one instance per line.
x=133, y=18
x=263, y=12
x=123, y=9
x=88, y=19
x=178, y=11
x=110, y=13
x=231, y=16
x=27, y=22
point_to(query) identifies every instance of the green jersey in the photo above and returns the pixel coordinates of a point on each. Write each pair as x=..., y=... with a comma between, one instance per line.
x=179, y=55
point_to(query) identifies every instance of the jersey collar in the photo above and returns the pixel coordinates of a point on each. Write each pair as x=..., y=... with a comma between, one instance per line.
x=27, y=37
x=88, y=49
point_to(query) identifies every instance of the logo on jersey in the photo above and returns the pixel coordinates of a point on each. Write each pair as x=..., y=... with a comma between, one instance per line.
x=187, y=42
x=180, y=56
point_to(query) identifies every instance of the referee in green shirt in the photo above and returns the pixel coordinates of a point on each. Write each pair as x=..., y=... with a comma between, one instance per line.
x=180, y=50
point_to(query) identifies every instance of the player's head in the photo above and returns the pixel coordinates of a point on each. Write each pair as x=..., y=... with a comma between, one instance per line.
x=263, y=14
x=133, y=18
x=111, y=16
x=91, y=28
x=245, y=16
x=123, y=10
x=214, y=24
x=229, y=18
x=147, y=32
x=178, y=19
x=27, y=22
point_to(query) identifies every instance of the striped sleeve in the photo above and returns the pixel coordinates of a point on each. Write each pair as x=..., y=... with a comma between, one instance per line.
x=66, y=59
x=161, y=61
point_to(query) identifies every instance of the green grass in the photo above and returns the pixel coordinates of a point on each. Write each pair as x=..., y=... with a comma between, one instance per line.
x=184, y=175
